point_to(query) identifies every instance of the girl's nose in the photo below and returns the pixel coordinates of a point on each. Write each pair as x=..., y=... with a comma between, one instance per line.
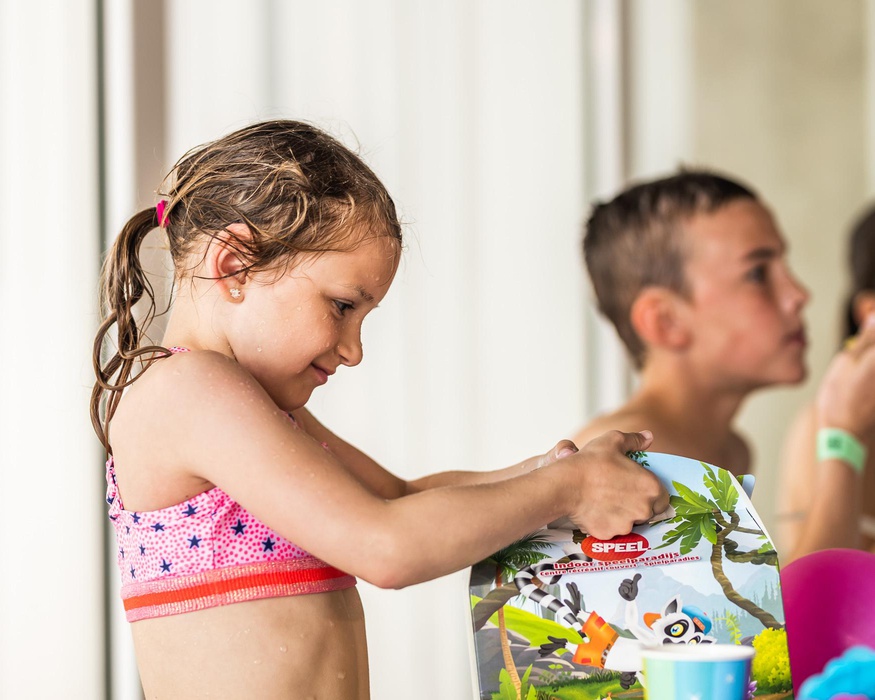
x=350, y=348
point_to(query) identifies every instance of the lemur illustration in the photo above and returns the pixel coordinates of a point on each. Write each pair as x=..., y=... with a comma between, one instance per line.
x=603, y=647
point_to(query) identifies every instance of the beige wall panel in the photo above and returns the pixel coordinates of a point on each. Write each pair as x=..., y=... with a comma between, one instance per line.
x=778, y=99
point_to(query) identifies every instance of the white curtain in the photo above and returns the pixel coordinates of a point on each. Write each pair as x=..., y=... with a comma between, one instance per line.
x=51, y=493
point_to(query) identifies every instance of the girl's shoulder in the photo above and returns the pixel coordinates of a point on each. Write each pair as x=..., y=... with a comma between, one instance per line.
x=175, y=397
x=186, y=379
x=171, y=419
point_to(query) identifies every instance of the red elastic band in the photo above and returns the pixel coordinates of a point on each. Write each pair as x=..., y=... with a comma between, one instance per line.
x=159, y=209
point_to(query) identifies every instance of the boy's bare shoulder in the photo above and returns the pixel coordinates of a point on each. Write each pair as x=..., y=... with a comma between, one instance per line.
x=624, y=419
x=732, y=453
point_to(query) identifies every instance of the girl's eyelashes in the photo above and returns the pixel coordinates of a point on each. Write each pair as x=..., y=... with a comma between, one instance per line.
x=342, y=306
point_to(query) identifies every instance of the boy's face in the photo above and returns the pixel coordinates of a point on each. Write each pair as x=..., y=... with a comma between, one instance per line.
x=745, y=311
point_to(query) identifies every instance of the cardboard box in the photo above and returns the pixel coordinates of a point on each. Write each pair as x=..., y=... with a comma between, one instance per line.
x=560, y=615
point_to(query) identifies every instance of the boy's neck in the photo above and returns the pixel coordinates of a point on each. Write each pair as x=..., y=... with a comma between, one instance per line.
x=682, y=397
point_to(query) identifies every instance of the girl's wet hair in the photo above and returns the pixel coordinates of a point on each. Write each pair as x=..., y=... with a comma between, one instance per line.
x=861, y=261
x=298, y=190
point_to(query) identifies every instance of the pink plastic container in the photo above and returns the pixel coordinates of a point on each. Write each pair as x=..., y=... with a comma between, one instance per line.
x=829, y=602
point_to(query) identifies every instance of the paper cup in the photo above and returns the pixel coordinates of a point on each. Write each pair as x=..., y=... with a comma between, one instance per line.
x=697, y=672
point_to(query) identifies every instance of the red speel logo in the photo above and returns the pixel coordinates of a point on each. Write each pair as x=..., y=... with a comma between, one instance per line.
x=620, y=547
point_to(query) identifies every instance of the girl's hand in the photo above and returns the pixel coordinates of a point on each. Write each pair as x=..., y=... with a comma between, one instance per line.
x=846, y=398
x=613, y=492
x=562, y=449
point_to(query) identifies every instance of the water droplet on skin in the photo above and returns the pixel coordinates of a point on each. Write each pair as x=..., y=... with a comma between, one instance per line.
x=330, y=622
x=257, y=661
x=258, y=348
x=297, y=308
x=284, y=648
x=341, y=675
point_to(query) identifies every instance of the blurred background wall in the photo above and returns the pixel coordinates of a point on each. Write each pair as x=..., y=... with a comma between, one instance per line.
x=493, y=123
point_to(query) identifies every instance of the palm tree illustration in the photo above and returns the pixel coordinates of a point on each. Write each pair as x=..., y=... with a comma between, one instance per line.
x=716, y=520
x=507, y=562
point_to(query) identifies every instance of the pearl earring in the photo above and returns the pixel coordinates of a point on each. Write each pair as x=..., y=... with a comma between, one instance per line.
x=235, y=293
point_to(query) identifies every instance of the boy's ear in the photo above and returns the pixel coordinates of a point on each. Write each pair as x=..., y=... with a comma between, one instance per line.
x=657, y=316
x=225, y=260
x=864, y=305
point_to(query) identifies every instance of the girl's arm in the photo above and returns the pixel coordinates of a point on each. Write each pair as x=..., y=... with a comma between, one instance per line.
x=846, y=400
x=385, y=484
x=797, y=480
x=235, y=437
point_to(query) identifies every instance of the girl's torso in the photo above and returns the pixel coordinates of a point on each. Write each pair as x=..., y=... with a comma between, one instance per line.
x=291, y=640
x=310, y=647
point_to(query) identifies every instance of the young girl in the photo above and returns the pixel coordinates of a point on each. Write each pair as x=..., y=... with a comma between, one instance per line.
x=241, y=520
x=800, y=496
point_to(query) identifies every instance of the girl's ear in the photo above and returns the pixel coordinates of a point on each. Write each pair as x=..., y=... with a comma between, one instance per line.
x=658, y=317
x=225, y=261
x=864, y=305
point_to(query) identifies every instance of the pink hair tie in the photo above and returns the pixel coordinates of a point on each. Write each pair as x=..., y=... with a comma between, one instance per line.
x=159, y=210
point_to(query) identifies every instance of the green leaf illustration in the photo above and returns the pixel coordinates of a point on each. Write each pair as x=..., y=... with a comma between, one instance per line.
x=672, y=536
x=720, y=485
x=709, y=531
x=694, y=499
x=691, y=537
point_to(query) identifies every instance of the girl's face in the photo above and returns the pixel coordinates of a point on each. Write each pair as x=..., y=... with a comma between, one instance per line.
x=292, y=333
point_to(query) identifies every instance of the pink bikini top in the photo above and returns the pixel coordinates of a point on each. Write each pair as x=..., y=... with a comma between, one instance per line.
x=204, y=552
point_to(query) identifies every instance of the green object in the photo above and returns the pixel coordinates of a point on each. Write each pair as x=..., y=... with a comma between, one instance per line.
x=835, y=443
x=771, y=665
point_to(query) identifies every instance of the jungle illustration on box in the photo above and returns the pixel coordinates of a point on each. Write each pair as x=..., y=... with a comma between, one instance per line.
x=560, y=615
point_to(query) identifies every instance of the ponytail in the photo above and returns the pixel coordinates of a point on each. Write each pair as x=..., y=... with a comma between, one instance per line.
x=123, y=283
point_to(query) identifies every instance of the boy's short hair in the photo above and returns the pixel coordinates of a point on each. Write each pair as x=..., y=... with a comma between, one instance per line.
x=633, y=241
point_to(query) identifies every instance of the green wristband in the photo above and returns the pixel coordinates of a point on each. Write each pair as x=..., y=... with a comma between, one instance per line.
x=835, y=443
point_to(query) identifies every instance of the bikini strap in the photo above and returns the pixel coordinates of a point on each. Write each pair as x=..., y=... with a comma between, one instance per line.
x=113, y=499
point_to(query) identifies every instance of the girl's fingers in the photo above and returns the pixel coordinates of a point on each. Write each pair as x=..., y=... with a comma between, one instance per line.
x=637, y=442
x=565, y=448
x=856, y=345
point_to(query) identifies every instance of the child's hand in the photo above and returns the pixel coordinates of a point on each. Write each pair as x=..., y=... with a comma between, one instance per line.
x=562, y=449
x=613, y=492
x=846, y=398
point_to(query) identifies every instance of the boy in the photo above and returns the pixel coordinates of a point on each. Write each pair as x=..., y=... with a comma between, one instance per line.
x=691, y=270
